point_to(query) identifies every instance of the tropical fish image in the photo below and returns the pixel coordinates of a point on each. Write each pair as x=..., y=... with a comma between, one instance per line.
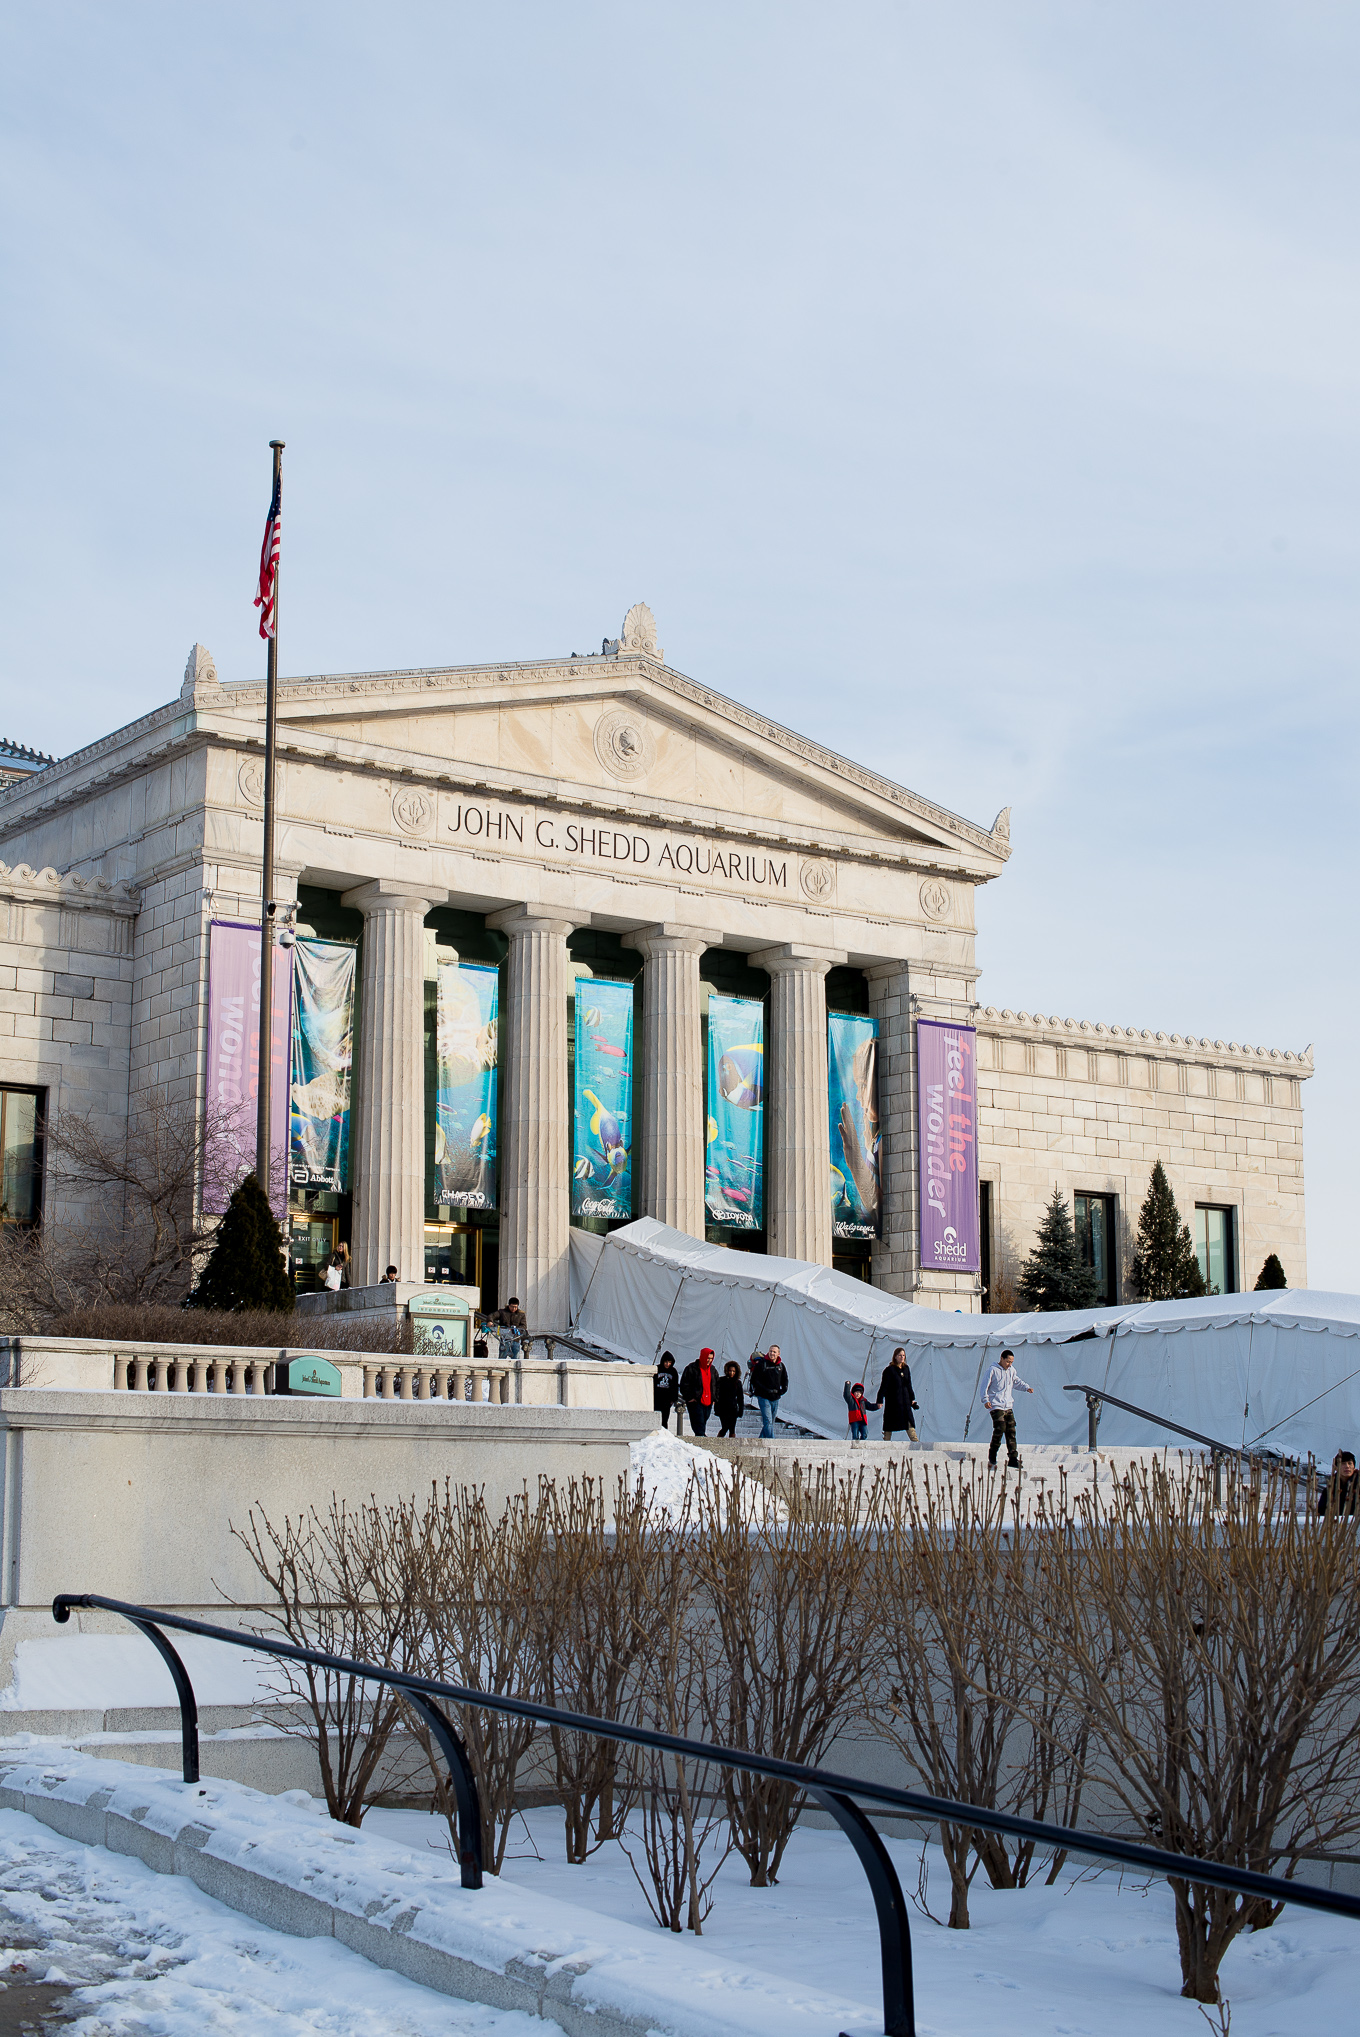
x=481, y=1129
x=607, y=1133
x=741, y=1075
x=712, y=1130
x=602, y=1046
x=840, y=1188
x=591, y=1017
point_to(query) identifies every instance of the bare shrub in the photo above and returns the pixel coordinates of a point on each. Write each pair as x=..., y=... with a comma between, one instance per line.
x=473, y=1581
x=382, y=1331
x=1218, y=1654
x=35, y=1285
x=679, y=1829
x=965, y=1680
x=598, y=1605
x=785, y=1591
x=337, y=1584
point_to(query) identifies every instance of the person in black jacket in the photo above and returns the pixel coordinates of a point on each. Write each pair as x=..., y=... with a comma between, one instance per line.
x=1342, y=1491
x=729, y=1400
x=698, y=1385
x=666, y=1390
x=769, y=1384
x=895, y=1397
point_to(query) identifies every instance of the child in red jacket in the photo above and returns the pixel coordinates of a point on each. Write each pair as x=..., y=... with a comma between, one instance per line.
x=853, y=1392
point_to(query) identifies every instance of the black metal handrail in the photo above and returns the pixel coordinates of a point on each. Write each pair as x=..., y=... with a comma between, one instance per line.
x=1095, y=1395
x=834, y=1793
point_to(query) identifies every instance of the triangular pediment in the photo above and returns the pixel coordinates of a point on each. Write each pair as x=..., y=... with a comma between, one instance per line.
x=618, y=730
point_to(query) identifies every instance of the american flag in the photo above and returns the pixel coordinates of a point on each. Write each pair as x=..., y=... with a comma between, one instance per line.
x=269, y=563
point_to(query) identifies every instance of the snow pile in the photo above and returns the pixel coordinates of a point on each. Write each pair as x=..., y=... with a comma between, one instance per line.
x=664, y=1465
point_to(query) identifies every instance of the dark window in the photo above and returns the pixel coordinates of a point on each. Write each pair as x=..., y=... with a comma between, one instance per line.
x=985, y=1241
x=1094, y=1217
x=1214, y=1248
x=21, y=1117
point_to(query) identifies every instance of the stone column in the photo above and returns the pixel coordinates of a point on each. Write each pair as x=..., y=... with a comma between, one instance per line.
x=535, y=1159
x=670, y=1172
x=388, y=1103
x=798, y=1150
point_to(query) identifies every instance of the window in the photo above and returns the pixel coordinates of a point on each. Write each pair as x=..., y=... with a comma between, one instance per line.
x=985, y=1242
x=1214, y=1243
x=1094, y=1217
x=21, y=1116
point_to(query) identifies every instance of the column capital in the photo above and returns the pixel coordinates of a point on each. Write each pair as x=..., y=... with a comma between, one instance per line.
x=667, y=938
x=794, y=956
x=530, y=918
x=389, y=894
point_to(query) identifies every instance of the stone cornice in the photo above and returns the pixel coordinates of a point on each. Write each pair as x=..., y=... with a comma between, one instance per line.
x=1059, y=1032
x=84, y=894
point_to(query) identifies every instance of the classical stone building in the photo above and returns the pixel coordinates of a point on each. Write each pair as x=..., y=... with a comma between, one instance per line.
x=567, y=817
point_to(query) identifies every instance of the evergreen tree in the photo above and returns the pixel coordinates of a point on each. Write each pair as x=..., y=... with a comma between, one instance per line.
x=1054, y=1275
x=1271, y=1275
x=1165, y=1267
x=246, y=1268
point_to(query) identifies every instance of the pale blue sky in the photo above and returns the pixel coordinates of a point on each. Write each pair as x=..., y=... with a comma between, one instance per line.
x=975, y=388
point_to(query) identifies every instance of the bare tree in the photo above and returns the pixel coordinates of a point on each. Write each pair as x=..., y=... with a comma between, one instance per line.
x=1218, y=1652
x=963, y=1680
x=784, y=1587
x=337, y=1584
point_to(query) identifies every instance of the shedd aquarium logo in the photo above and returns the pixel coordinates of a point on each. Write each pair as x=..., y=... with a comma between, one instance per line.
x=950, y=1248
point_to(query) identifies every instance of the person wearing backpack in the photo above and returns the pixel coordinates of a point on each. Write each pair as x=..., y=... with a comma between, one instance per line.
x=769, y=1384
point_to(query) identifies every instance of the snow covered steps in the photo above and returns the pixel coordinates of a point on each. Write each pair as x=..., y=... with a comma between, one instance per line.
x=274, y=1860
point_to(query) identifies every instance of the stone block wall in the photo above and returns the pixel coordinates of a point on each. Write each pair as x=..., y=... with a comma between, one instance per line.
x=1092, y=1108
x=66, y=970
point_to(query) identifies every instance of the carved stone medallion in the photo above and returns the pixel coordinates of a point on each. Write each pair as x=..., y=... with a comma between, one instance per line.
x=412, y=809
x=935, y=899
x=624, y=744
x=818, y=879
x=250, y=782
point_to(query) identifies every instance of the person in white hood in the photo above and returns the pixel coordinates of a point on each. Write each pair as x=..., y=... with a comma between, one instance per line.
x=998, y=1397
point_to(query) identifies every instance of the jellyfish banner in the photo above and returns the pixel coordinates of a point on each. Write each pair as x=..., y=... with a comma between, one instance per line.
x=466, y=1029
x=602, y=1153
x=233, y=1063
x=852, y=1070
x=323, y=1053
x=734, y=1177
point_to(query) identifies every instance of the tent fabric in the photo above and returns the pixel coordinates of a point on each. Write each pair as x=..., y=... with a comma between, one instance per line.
x=1280, y=1368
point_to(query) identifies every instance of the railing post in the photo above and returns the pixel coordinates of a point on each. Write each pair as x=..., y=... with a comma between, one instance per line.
x=464, y=1784
x=894, y=1925
x=1092, y=1419
x=188, y=1705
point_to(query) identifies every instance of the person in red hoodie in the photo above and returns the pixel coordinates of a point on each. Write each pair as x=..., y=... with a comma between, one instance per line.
x=853, y=1392
x=698, y=1383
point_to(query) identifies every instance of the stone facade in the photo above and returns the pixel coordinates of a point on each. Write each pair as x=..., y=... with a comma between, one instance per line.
x=607, y=793
x=1092, y=1108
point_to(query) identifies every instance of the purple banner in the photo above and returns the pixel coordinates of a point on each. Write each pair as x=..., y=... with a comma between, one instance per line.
x=234, y=1063
x=946, y=1057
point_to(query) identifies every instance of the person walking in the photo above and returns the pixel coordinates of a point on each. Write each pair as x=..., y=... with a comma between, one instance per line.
x=853, y=1390
x=343, y=1261
x=513, y=1327
x=769, y=1384
x=666, y=1389
x=998, y=1397
x=697, y=1383
x=335, y=1273
x=1341, y=1493
x=730, y=1401
x=896, y=1398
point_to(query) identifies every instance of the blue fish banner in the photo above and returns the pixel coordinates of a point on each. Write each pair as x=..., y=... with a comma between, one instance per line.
x=602, y=1155
x=466, y=1020
x=734, y=1166
x=322, y=1055
x=852, y=1068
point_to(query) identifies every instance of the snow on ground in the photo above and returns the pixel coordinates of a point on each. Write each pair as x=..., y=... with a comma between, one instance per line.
x=149, y=1952
x=1090, y=1957
x=664, y=1464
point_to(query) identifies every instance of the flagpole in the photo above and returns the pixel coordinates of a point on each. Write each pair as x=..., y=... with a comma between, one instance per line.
x=263, y=1113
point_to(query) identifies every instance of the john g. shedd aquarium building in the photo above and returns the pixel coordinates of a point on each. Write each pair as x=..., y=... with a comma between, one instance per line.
x=578, y=940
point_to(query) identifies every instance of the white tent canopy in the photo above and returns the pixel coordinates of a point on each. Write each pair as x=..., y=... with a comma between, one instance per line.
x=1280, y=1368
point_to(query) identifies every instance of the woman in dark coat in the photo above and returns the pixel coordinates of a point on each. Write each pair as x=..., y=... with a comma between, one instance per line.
x=666, y=1390
x=896, y=1398
x=729, y=1399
